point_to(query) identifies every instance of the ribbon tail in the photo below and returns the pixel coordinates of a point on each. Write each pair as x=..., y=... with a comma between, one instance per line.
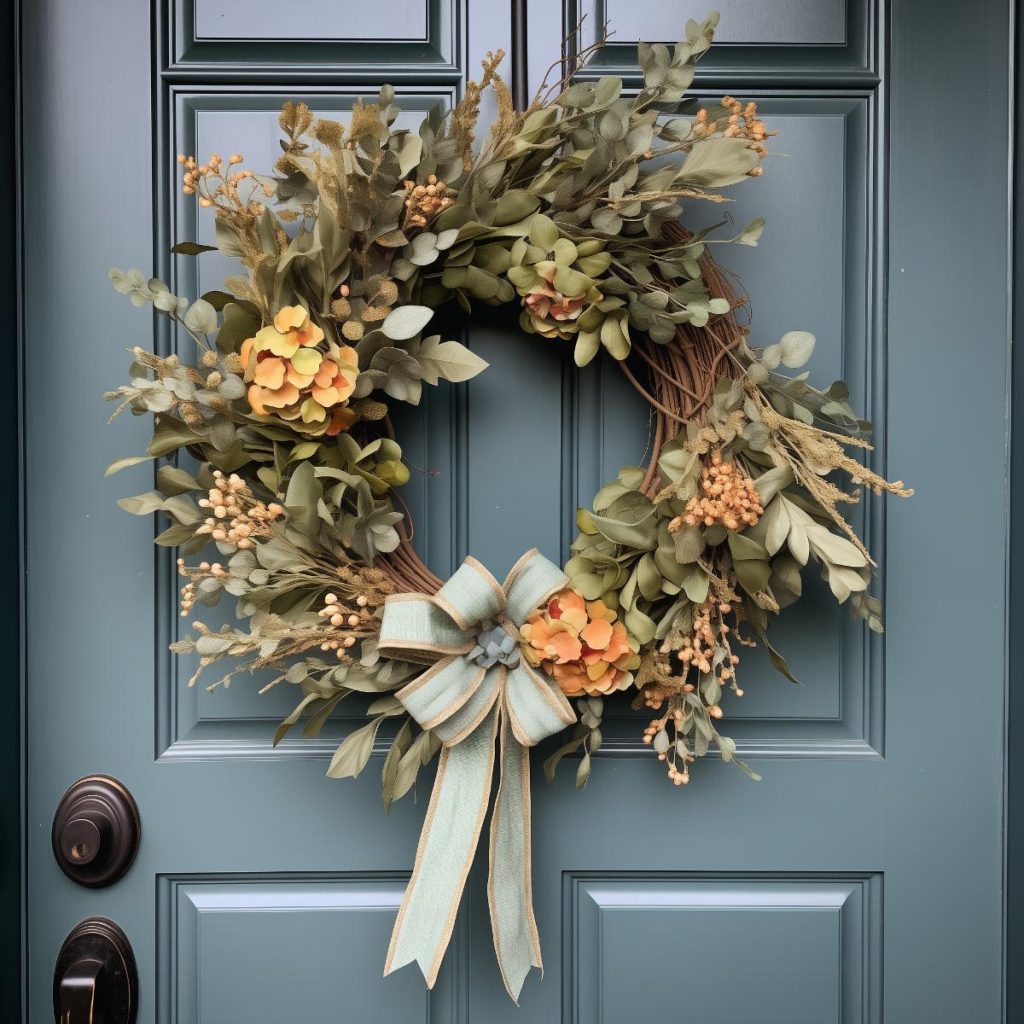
x=451, y=831
x=509, y=885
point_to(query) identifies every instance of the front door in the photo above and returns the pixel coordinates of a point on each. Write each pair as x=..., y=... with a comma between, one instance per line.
x=861, y=878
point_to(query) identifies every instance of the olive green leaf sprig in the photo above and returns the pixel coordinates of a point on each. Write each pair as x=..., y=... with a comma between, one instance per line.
x=700, y=564
x=311, y=616
x=589, y=175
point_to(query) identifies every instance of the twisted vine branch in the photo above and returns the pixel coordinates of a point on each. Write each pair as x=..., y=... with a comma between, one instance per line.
x=682, y=378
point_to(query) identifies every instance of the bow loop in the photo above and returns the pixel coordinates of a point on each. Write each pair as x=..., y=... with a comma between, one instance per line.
x=415, y=628
x=531, y=581
x=441, y=691
x=468, y=717
x=471, y=596
x=535, y=709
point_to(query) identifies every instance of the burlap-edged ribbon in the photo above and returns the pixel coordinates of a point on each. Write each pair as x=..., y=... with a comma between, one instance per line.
x=476, y=691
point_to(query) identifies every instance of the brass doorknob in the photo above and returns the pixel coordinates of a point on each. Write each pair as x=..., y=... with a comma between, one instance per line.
x=96, y=831
x=95, y=980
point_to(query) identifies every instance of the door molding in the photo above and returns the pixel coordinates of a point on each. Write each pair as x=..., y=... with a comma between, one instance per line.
x=1013, y=835
x=12, y=821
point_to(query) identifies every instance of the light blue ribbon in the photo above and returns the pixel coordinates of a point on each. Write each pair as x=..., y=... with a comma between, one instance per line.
x=476, y=691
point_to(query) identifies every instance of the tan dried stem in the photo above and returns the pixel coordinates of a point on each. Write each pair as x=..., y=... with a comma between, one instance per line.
x=403, y=566
x=683, y=373
x=467, y=111
x=812, y=453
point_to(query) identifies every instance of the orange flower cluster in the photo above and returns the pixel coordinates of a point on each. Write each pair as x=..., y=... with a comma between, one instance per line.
x=580, y=645
x=545, y=302
x=727, y=498
x=291, y=378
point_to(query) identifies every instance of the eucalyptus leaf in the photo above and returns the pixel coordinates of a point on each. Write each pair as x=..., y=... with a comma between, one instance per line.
x=142, y=504
x=192, y=248
x=795, y=348
x=641, y=535
x=718, y=161
x=607, y=90
x=201, y=317
x=750, y=561
x=406, y=322
x=771, y=481
x=543, y=232
x=689, y=544
x=696, y=585
x=752, y=232
x=354, y=751
x=640, y=626
x=832, y=548
x=171, y=480
x=131, y=460
x=447, y=360
x=776, y=525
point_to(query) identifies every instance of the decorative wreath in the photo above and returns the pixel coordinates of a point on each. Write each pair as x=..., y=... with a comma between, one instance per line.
x=569, y=209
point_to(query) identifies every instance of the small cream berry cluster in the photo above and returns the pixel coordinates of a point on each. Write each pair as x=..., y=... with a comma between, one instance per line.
x=654, y=696
x=424, y=202
x=237, y=517
x=705, y=648
x=350, y=622
x=727, y=498
x=710, y=631
x=671, y=757
x=217, y=188
x=203, y=570
x=741, y=122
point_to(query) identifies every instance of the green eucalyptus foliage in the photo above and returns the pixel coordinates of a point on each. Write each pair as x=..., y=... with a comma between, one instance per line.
x=561, y=211
x=626, y=554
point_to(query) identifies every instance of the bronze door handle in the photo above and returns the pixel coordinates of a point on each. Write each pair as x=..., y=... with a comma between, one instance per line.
x=95, y=980
x=77, y=1004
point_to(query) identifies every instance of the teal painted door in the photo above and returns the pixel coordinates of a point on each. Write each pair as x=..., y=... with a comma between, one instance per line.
x=862, y=878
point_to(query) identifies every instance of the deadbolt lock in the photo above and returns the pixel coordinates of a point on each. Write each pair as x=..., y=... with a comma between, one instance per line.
x=96, y=831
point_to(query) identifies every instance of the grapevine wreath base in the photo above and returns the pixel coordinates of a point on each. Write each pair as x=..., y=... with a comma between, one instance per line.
x=570, y=210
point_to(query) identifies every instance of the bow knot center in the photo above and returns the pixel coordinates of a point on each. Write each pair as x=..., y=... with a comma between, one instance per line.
x=495, y=645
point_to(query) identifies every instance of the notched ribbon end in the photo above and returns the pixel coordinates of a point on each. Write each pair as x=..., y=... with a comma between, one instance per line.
x=514, y=985
x=428, y=970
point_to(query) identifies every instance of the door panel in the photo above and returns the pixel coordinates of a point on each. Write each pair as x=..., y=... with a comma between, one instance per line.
x=221, y=37
x=818, y=940
x=290, y=931
x=865, y=864
x=809, y=42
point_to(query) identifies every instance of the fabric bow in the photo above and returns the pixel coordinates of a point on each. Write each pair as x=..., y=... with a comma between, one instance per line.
x=476, y=690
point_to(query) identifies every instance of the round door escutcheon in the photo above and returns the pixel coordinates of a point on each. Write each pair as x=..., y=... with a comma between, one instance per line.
x=95, y=977
x=96, y=831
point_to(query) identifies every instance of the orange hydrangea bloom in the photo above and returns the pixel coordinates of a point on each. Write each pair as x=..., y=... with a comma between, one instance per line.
x=546, y=303
x=581, y=645
x=290, y=378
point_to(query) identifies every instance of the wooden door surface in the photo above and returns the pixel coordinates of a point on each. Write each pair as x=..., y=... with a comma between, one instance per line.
x=861, y=880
